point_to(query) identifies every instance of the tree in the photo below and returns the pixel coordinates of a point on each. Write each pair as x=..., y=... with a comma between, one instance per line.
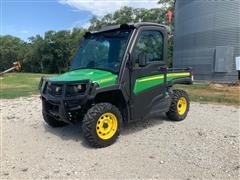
x=128, y=15
x=33, y=58
x=167, y=4
x=12, y=49
x=53, y=52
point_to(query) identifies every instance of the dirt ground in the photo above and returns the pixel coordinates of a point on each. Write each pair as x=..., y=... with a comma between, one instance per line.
x=204, y=146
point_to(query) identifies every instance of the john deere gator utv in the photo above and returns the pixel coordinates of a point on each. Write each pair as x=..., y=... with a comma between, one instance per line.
x=117, y=76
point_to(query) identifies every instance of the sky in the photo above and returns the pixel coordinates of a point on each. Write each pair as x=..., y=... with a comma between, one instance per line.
x=26, y=18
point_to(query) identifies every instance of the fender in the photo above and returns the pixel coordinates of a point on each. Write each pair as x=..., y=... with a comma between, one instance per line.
x=97, y=90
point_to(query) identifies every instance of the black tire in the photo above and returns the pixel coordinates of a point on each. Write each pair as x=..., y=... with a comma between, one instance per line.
x=90, y=122
x=173, y=113
x=51, y=121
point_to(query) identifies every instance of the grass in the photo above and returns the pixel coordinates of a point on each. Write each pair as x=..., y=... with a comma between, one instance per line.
x=15, y=85
x=214, y=93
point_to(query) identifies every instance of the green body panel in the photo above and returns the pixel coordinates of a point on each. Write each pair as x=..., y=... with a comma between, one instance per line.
x=103, y=78
x=144, y=83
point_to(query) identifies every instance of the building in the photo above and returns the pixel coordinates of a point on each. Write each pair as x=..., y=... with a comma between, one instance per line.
x=207, y=38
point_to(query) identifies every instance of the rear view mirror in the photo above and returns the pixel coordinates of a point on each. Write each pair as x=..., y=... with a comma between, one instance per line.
x=142, y=59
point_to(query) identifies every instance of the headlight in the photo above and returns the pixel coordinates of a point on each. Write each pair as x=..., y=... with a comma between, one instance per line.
x=73, y=90
x=54, y=89
x=58, y=89
x=78, y=88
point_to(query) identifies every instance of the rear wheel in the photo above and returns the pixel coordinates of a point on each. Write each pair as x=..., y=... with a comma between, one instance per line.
x=101, y=125
x=51, y=121
x=179, y=106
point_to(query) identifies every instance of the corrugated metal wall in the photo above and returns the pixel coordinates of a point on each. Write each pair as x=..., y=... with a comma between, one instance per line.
x=207, y=38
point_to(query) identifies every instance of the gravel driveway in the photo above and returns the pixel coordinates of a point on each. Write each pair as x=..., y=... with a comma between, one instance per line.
x=204, y=146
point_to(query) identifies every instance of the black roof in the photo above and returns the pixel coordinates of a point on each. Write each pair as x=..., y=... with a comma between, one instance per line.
x=129, y=25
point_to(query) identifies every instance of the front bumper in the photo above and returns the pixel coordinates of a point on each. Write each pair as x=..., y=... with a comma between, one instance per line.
x=62, y=106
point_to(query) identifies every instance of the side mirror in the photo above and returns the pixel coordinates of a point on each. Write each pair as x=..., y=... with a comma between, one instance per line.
x=142, y=59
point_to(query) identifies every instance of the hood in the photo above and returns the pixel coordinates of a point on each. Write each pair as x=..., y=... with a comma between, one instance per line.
x=103, y=78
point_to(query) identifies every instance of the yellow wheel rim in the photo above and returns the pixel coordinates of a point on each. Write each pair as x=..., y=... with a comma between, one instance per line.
x=106, y=126
x=182, y=105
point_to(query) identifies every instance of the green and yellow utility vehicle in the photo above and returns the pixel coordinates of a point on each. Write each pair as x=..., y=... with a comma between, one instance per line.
x=117, y=76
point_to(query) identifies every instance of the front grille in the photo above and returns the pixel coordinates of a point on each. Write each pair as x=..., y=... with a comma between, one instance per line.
x=72, y=103
x=65, y=89
x=54, y=89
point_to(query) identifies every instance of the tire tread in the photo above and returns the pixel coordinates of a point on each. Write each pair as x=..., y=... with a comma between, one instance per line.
x=89, y=124
x=173, y=114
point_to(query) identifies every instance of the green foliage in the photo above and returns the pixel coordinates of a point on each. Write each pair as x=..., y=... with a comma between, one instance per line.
x=130, y=15
x=167, y=4
x=49, y=54
x=11, y=48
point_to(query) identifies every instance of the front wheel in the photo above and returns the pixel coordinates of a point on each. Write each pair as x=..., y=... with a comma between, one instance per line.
x=101, y=125
x=179, y=106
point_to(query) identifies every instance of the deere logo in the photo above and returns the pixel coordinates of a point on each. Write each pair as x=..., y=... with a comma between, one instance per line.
x=106, y=80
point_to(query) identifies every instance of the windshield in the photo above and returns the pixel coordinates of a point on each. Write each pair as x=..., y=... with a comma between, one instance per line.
x=102, y=51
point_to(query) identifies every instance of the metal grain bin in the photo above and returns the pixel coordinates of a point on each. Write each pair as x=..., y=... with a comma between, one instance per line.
x=207, y=38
